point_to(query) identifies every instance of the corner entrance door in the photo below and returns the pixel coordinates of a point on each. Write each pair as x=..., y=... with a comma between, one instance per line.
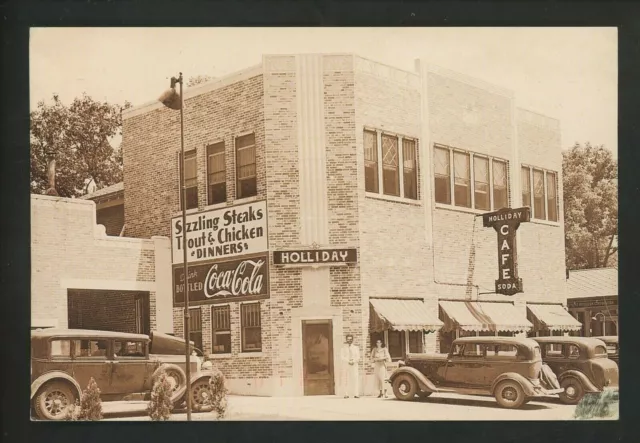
x=317, y=351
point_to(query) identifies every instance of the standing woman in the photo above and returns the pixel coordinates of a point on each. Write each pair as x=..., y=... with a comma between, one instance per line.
x=380, y=356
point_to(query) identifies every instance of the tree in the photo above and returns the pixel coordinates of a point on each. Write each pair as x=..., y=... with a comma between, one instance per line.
x=198, y=79
x=590, y=182
x=90, y=405
x=160, y=405
x=78, y=139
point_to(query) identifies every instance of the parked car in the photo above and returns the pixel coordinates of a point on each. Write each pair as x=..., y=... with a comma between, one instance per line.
x=507, y=368
x=581, y=365
x=613, y=349
x=123, y=365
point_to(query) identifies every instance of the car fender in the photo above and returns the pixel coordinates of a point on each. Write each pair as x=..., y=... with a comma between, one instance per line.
x=423, y=382
x=53, y=375
x=524, y=383
x=586, y=383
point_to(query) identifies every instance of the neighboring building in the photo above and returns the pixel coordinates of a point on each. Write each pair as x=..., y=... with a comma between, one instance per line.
x=109, y=208
x=81, y=278
x=303, y=154
x=592, y=298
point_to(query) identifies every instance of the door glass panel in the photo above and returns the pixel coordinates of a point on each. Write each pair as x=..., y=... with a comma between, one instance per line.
x=317, y=349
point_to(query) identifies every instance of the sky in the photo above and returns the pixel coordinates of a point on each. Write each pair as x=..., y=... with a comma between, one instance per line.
x=566, y=73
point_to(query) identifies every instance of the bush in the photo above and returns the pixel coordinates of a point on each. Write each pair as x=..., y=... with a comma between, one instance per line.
x=160, y=405
x=598, y=405
x=89, y=407
x=217, y=385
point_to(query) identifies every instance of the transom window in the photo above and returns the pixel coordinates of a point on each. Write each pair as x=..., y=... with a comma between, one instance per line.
x=246, y=184
x=543, y=201
x=191, y=179
x=251, y=327
x=392, y=160
x=479, y=181
x=216, y=174
x=221, y=329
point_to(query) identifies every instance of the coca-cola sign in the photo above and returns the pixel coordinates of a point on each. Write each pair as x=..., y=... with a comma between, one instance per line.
x=246, y=278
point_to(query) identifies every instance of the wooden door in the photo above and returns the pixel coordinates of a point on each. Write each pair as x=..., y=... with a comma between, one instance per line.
x=317, y=351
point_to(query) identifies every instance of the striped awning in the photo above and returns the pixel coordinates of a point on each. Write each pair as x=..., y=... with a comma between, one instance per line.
x=483, y=316
x=552, y=318
x=401, y=315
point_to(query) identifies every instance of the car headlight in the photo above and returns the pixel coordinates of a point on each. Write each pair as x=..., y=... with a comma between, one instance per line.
x=207, y=366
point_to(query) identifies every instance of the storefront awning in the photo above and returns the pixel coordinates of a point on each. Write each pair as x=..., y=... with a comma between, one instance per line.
x=401, y=315
x=483, y=316
x=552, y=318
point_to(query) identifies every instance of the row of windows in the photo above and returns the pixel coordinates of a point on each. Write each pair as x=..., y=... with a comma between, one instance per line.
x=250, y=328
x=399, y=342
x=246, y=183
x=481, y=182
x=399, y=158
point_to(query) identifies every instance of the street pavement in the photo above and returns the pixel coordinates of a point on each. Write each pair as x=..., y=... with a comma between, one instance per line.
x=437, y=407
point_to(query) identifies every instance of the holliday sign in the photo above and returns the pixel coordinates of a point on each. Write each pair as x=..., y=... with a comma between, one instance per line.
x=246, y=278
x=221, y=233
x=506, y=222
x=315, y=256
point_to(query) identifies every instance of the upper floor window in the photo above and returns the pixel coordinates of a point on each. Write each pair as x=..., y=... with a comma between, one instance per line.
x=394, y=161
x=190, y=171
x=539, y=192
x=479, y=181
x=246, y=183
x=216, y=174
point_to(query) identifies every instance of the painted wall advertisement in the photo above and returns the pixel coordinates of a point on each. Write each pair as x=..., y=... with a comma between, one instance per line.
x=245, y=278
x=220, y=233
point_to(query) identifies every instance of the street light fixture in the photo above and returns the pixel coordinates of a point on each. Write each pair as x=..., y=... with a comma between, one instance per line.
x=172, y=100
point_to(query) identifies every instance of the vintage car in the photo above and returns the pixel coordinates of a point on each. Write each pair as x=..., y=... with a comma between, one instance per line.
x=507, y=368
x=123, y=365
x=613, y=348
x=581, y=365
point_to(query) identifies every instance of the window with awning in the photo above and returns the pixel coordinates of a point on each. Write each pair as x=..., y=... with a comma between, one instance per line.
x=483, y=316
x=402, y=315
x=551, y=318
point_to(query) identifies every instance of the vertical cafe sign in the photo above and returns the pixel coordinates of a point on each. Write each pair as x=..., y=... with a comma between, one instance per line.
x=506, y=222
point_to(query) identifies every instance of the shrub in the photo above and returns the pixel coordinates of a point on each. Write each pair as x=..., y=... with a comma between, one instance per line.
x=160, y=405
x=89, y=407
x=217, y=385
x=598, y=405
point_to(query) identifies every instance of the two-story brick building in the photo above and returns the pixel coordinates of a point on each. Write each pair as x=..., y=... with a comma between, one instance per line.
x=329, y=194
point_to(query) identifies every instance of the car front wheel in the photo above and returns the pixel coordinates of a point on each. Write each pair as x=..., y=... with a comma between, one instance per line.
x=53, y=401
x=405, y=387
x=573, y=391
x=509, y=394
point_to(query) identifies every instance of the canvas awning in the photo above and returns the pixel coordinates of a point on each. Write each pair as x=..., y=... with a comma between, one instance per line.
x=552, y=318
x=402, y=315
x=483, y=316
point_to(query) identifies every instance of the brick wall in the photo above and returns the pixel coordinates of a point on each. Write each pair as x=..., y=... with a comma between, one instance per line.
x=105, y=310
x=68, y=251
x=151, y=145
x=112, y=218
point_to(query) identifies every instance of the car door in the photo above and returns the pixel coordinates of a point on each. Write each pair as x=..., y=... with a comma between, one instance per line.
x=465, y=366
x=129, y=366
x=90, y=360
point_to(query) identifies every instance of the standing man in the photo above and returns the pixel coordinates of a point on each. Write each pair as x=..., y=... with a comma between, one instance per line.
x=350, y=358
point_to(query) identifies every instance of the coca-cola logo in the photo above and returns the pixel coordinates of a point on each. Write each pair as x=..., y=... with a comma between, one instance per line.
x=245, y=279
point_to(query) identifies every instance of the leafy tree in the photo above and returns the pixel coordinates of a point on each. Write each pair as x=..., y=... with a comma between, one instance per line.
x=198, y=79
x=590, y=182
x=90, y=405
x=78, y=138
x=160, y=405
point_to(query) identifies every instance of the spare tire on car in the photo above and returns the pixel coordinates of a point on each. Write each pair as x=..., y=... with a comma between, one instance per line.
x=176, y=377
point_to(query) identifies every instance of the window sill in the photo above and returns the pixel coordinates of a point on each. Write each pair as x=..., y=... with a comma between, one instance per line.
x=215, y=206
x=214, y=356
x=461, y=209
x=250, y=354
x=189, y=212
x=544, y=222
x=392, y=198
x=251, y=199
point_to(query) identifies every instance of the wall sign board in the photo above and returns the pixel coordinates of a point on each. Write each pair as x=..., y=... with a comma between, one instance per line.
x=315, y=256
x=506, y=222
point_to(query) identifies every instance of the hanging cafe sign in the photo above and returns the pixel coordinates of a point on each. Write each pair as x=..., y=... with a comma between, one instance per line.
x=506, y=222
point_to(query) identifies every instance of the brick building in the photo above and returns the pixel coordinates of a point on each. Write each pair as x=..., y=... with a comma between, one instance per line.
x=329, y=194
x=82, y=278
